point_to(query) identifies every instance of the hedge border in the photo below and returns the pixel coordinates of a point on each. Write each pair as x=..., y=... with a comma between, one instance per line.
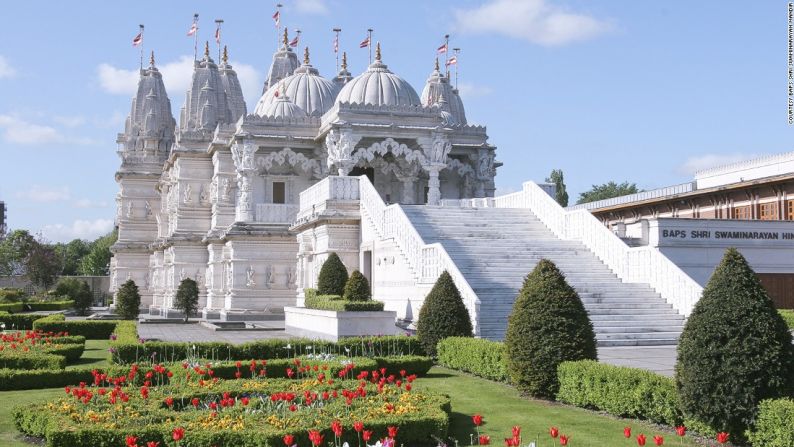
x=774, y=426
x=477, y=356
x=90, y=329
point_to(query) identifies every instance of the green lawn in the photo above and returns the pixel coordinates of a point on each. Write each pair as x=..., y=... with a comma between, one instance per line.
x=9, y=436
x=502, y=407
x=96, y=354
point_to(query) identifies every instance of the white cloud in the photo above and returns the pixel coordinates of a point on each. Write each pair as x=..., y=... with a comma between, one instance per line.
x=79, y=229
x=177, y=76
x=531, y=20
x=20, y=131
x=117, y=80
x=70, y=121
x=6, y=71
x=469, y=90
x=311, y=6
x=38, y=193
x=706, y=161
x=88, y=203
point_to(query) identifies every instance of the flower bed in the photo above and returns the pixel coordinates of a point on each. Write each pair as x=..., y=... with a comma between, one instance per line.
x=90, y=329
x=197, y=408
x=41, y=346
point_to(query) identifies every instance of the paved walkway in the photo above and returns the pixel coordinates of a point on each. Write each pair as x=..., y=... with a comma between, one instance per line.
x=659, y=359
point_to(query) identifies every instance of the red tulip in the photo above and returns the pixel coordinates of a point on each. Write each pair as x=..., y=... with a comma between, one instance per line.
x=315, y=437
x=680, y=430
x=195, y=402
x=722, y=437
x=553, y=431
x=392, y=431
x=289, y=440
x=564, y=439
x=477, y=419
x=169, y=401
x=516, y=431
x=484, y=440
x=627, y=432
x=245, y=401
x=366, y=435
x=336, y=427
x=358, y=426
x=640, y=439
x=178, y=434
x=658, y=440
x=510, y=442
x=132, y=441
x=153, y=444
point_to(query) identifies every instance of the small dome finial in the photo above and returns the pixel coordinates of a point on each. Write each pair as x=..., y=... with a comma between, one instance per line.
x=344, y=60
x=225, y=57
x=206, y=49
x=377, y=52
x=437, y=67
x=306, y=55
x=286, y=38
x=151, y=60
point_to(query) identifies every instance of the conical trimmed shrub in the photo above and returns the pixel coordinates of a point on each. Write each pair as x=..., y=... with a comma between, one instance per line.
x=128, y=301
x=186, y=298
x=735, y=350
x=548, y=326
x=333, y=276
x=443, y=315
x=357, y=288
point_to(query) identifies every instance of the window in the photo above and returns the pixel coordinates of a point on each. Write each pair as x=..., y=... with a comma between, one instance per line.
x=741, y=212
x=279, y=192
x=768, y=211
x=790, y=211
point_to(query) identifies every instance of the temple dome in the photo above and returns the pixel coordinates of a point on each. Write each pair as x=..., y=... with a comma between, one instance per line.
x=438, y=88
x=378, y=86
x=283, y=108
x=306, y=88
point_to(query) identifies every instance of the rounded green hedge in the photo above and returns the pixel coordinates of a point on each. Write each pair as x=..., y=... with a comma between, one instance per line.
x=443, y=315
x=332, y=277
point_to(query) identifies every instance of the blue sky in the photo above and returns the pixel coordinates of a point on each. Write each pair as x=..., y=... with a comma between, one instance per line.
x=621, y=90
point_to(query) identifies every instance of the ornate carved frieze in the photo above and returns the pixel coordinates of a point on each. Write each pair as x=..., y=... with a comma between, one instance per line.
x=289, y=157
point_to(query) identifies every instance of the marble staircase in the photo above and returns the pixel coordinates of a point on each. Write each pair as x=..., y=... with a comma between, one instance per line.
x=495, y=248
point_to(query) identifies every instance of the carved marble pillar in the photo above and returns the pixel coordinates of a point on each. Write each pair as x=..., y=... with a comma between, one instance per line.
x=409, y=191
x=243, y=157
x=340, y=144
x=485, y=170
x=435, y=155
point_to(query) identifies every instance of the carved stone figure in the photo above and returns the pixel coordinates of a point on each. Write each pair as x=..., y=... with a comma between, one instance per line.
x=250, y=282
x=203, y=195
x=187, y=198
x=130, y=210
x=225, y=189
x=147, y=210
x=182, y=275
x=290, y=276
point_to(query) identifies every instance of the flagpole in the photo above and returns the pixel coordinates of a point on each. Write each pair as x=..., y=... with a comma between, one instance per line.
x=369, y=36
x=195, y=37
x=446, y=53
x=218, y=36
x=141, y=45
x=336, y=47
x=278, y=25
x=457, y=51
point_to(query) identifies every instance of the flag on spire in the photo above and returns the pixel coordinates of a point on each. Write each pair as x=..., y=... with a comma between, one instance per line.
x=442, y=49
x=336, y=43
x=218, y=34
x=452, y=61
x=294, y=42
x=193, y=28
x=137, y=40
x=365, y=43
x=277, y=18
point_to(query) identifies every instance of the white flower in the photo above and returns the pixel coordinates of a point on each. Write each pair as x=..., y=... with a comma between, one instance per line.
x=345, y=445
x=289, y=346
x=309, y=348
x=347, y=349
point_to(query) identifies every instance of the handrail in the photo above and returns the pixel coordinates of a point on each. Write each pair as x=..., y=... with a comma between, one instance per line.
x=428, y=261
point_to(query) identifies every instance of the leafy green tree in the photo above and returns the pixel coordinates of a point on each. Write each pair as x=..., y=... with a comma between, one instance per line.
x=128, y=301
x=332, y=277
x=561, y=194
x=187, y=296
x=14, y=251
x=607, y=191
x=71, y=255
x=357, y=288
x=735, y=350
x=77, y=290
x=97, y=261
x=42, y=264
x=549, y=325
x=443, y=315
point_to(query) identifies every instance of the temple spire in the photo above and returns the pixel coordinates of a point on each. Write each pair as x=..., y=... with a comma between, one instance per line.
x=344, y=60
x=437, y=67
x=206, y=50
x=151, y=60
x=306, y=55
x=286, y=38
x=377, y=52
x=225, y=57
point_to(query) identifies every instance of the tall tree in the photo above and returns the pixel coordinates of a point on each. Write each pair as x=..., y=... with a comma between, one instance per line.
x=71, y=255
x=561, y=194
x=97, y=261
x=607, y=191
x=14, y=251
x=187, y=296
x=42, y=264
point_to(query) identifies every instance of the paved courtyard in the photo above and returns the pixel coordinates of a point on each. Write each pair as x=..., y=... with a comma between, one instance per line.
x=659, y=359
